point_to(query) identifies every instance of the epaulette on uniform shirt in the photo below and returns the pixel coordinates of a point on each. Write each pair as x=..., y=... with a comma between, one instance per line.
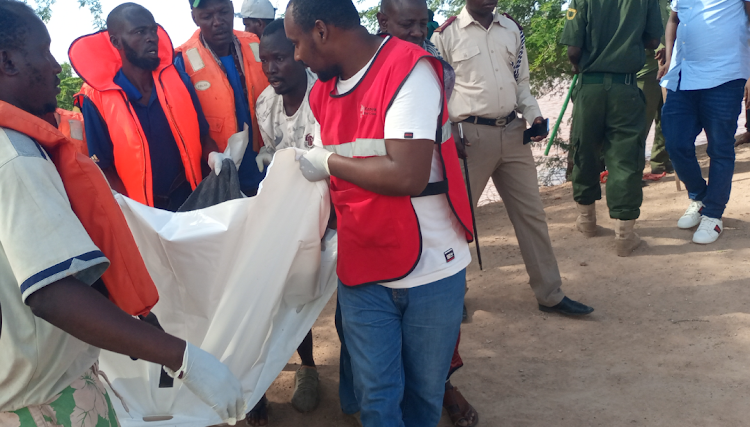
x=445, y=24
x=511, y=18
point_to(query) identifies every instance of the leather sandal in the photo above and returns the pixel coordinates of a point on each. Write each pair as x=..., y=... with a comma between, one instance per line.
x=461, y=412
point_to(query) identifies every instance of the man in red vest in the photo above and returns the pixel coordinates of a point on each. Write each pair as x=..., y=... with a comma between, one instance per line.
x=54, y=319
x=225, y=69
x=403, y=213
x=144, y=125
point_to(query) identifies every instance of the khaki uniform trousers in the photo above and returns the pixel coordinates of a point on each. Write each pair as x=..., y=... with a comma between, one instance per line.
x=499, y=153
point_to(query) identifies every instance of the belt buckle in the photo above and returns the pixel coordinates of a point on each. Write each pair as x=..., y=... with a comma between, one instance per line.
x=500, y=122
x=629, y=79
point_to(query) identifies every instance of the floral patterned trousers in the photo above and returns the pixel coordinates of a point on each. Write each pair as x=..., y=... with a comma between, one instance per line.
x=84, y=403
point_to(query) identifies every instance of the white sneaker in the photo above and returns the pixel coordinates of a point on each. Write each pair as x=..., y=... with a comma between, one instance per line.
x=692, y=216
x=709, y=230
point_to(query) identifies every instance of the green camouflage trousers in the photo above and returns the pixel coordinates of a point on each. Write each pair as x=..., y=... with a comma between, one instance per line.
x=84, y=403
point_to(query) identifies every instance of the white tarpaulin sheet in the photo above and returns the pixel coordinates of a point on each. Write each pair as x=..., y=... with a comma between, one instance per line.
x=244, y=280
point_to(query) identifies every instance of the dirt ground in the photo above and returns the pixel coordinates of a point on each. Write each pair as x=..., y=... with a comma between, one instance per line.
x=668, y=344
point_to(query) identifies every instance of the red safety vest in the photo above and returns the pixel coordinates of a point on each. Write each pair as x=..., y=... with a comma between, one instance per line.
x=97, y=62
x=214, y=91
x=379, y=236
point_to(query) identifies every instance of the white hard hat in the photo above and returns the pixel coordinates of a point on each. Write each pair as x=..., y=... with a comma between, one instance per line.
x=259, y=9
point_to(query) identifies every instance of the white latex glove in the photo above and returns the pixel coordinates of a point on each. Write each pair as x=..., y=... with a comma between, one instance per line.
x=215, y=159
x=314, y=163
x=212, y=382
x=264, y=157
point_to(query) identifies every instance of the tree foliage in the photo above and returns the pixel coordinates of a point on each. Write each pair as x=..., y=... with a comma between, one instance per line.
x=43, y=8
x=69, y=86
x=542, y=21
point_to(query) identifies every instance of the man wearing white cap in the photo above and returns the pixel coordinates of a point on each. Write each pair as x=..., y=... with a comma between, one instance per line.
x=256, y=14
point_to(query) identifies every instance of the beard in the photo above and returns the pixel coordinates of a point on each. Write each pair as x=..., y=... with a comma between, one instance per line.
x=143, y=63
x=328, y=74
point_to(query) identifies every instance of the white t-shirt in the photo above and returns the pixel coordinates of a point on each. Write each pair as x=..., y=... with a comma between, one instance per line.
x=41, y=242
x=281, y=131
x=415, y=110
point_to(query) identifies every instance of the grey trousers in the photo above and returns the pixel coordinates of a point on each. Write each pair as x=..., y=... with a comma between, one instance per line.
x=499, y=153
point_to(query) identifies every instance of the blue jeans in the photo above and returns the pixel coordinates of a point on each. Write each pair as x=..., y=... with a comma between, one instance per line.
x=347, y=398
x=684, y=115
x=401, y=343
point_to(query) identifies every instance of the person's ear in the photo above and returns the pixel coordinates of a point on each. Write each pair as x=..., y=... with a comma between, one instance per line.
x=115, y=41
x=8, y=61
x=383, y=21
x=321, y=31
x=192, y=14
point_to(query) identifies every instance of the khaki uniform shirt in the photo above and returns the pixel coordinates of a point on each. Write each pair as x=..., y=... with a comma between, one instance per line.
x=483, y=60
x=611, y=34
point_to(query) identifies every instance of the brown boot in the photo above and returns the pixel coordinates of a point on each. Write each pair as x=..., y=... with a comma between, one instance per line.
x=626, y=240
x=586, y=222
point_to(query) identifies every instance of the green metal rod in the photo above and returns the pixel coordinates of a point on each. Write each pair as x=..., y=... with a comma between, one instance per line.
x=559, y=118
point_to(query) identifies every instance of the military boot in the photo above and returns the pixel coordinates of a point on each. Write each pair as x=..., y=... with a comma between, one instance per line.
x=626, y=240
x=586, y=222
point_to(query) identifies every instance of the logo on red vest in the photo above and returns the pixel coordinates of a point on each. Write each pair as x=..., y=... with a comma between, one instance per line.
x=368, y=111
x=449, y=256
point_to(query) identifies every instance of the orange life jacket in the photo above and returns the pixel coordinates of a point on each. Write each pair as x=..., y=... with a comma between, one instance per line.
x=70, y=123
x=213, y=88
x=97, y=62
x=379, y=236
x=127, y=280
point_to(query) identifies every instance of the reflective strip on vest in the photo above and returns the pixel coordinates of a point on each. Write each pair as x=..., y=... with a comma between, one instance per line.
x=364, y=147
x=195, y=59
x=447, y=132
x=255, y=47
x=360, y=148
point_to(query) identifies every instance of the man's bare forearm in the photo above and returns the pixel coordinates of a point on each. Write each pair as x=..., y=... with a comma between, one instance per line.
x=574, y=56
x=404, y=171
x=652, y=44
x=87, y=315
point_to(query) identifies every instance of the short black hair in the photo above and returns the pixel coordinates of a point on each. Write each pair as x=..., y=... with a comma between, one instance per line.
x=274, y=27
x=339, y=13
x=277, y=27
x=116, y=18
x=14, y=24
x=203, y=3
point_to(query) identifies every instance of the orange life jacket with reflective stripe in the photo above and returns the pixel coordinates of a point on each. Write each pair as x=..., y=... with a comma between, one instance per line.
x=70, y=123
x=127, y=280
x=97, y=62
x=213, y=88
x=379, y=236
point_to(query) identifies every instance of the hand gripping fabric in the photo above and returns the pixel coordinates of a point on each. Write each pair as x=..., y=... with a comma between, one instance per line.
x=212, y=381
x=314, y=163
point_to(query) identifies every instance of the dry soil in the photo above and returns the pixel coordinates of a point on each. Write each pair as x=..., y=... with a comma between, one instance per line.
x=667, y=345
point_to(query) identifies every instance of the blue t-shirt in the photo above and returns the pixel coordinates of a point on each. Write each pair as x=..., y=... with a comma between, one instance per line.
x=166, y=162
x=250, y=176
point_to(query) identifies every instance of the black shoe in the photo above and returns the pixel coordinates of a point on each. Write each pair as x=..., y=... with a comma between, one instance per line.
x=568, y=307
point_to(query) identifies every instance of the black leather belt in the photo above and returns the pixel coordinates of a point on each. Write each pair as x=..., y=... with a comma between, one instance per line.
x=491, y=122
